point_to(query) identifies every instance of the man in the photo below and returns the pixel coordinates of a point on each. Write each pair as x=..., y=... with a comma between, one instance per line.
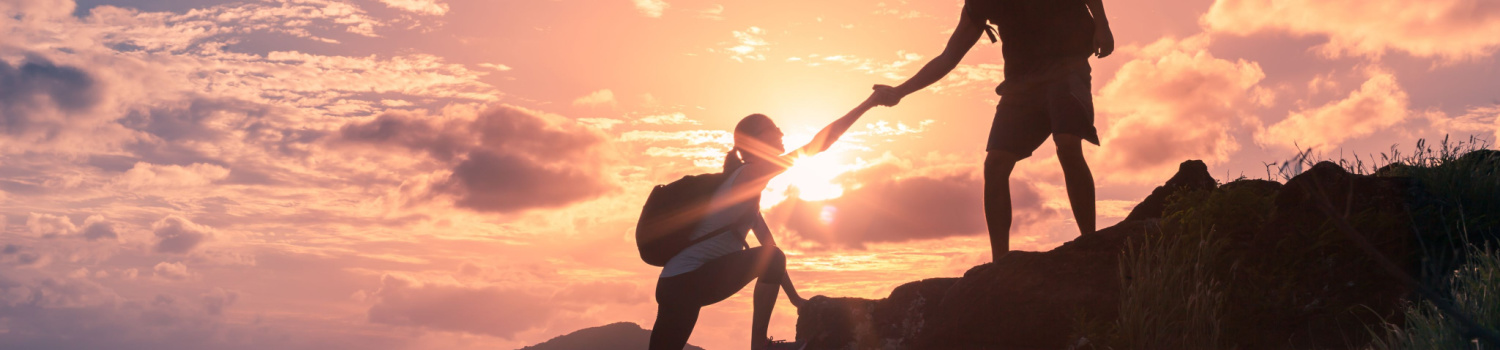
x=1046, y=45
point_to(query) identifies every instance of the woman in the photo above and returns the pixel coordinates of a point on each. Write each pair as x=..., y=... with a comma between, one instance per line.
x=716, y=268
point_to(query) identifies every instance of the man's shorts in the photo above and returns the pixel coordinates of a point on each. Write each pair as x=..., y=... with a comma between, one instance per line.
x=1025, y=117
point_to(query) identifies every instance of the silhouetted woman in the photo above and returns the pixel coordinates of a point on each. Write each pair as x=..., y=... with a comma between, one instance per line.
x=716, y=268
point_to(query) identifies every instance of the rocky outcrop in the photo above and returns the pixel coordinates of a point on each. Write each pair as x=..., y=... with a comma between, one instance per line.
x=1314, y=277
x=1191, y=175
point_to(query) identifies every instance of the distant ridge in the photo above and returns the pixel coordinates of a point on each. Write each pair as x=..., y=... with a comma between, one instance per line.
x=620, y=335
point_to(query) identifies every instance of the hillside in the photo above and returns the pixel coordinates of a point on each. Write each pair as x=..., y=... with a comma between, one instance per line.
x=1247, y=264
x=621, y=335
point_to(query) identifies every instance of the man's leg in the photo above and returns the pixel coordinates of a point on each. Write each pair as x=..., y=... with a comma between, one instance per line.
x=1080, y=181
x=997, y=167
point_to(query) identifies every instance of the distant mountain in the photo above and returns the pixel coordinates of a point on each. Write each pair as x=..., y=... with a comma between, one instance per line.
x=622, y=335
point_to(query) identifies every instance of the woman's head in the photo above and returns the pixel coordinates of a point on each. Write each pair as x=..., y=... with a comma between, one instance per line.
x=756, y=138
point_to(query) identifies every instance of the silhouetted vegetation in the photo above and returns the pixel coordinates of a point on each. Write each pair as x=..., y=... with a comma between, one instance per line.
x=1217, y=272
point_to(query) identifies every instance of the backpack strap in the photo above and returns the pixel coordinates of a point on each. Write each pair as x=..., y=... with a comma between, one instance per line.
x=744, y=219
x=981, y=21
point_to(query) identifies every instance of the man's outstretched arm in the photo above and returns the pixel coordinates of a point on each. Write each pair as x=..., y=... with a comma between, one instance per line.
x=964, y=36
x=1104, y=39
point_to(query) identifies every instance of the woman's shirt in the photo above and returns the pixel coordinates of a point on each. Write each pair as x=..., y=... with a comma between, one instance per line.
x=725, y=243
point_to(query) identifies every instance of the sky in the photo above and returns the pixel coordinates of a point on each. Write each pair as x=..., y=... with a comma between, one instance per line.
x=465, y=174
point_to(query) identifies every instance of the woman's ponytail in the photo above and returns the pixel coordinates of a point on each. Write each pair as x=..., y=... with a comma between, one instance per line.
x=732, y=160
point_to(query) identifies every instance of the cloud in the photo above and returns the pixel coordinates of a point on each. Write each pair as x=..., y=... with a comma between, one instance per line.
x=651, y=8
x=496, y=66
x=748, y=45
x=45, y=103
x=424, y=7
x=47, y=225
x=1175, y=101
x=147, y=176
x=491, y=311
x=897, y=207
x=602, y=292
x=175, y=271
x=95, y=227
x=177, y=235
x=503, y=159
x=601, y=97
x=1379, y=103
x=1450, y=29
x=667, y=119
x=214, y=301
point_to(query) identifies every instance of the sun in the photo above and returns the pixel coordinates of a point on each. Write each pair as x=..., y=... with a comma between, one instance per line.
x=810, y=178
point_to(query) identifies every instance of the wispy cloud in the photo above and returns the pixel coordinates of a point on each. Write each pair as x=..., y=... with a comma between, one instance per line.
x=596, y=98
x=651, y=8
x=425, y=7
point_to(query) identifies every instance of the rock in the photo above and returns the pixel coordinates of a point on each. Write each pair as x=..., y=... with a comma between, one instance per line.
x=1313, y=287
x=1326, y=276
x=837, y=323
x=1191, y=175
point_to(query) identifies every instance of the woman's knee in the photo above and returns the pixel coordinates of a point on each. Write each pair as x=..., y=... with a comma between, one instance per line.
x=777, y=257
x=775, y=265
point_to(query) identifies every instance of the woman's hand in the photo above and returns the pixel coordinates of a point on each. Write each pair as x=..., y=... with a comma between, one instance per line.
x=796, y=300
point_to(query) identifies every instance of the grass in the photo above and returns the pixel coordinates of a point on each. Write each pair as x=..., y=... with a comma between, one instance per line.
x=1183, y=286
x=1474, y=288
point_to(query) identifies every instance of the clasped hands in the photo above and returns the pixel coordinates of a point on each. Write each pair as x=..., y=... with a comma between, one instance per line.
x=886, y=95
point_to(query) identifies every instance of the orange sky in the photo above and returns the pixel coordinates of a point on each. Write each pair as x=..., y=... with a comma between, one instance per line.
x=441, y=174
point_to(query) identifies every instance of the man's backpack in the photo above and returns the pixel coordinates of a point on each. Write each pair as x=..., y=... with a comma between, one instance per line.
x=672, y=212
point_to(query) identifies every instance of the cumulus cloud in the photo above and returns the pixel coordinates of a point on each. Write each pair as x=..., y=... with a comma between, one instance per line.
x=47, y=225
x=1378, y=104
x=1451, y=29
x=1175, y=101
x=175, y=234
x=504, y=159
x=425, y=7
x=596, y=98
x=491, y=311
x=175, y=271
x=95, y=227
x=651, y=8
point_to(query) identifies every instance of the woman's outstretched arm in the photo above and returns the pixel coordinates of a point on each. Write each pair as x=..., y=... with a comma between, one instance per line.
x=831, y=133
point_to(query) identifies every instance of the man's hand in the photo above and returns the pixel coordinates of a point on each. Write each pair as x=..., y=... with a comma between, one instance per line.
x=886, y=95
x=1104, y=41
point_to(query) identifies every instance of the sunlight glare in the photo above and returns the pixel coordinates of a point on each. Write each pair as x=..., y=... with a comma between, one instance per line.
x=809, y=178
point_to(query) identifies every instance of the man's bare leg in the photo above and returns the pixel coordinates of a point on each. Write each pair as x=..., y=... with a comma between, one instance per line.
x=1080, y=181
x=997, y=215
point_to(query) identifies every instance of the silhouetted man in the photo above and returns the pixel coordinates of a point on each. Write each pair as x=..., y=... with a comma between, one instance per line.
x=1046, y=45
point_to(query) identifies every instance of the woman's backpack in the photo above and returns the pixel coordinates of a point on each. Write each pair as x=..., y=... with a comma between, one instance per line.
x=672, y=212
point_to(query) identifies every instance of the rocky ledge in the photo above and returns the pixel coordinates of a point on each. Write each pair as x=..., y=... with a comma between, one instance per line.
x=1043, y=300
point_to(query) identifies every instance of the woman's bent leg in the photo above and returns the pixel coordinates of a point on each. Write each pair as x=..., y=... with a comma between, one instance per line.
x=722, y=277
x=674, y=324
